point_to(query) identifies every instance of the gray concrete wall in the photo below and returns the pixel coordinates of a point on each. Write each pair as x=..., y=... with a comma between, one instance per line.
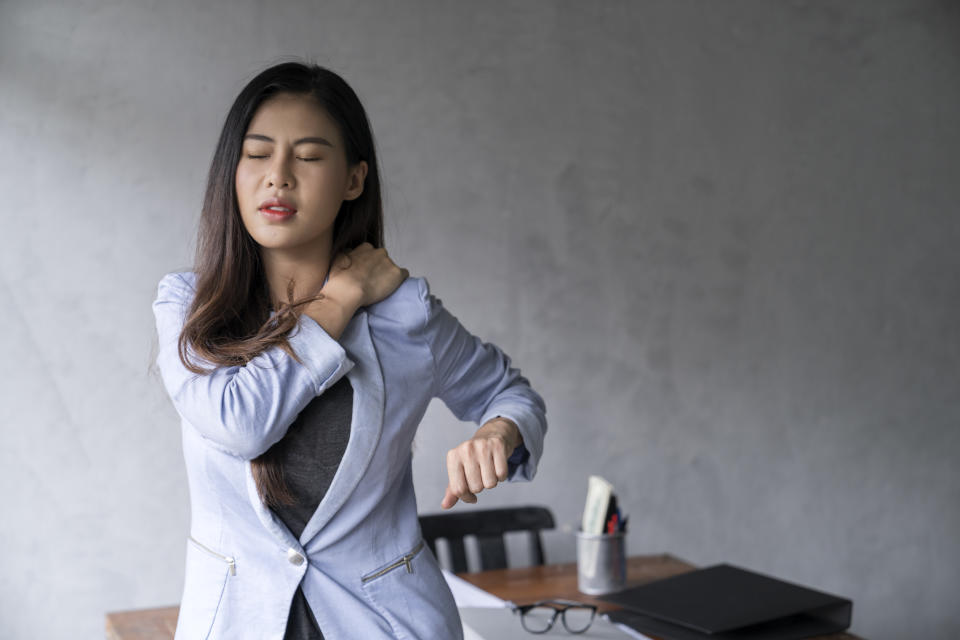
x=719, y=237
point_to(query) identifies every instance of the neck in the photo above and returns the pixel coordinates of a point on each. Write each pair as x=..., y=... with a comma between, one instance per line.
x=306, y=266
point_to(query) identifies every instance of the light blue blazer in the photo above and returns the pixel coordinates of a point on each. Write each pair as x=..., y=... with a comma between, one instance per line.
x=361, y=559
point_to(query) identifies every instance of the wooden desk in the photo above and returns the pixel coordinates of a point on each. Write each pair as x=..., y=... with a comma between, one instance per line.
x=530, y=584
x=522, y=586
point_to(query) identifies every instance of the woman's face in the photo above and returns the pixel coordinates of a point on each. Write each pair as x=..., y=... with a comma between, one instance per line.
x=293, y=151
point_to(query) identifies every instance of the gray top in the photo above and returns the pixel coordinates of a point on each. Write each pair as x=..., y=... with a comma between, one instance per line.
x=310, y=454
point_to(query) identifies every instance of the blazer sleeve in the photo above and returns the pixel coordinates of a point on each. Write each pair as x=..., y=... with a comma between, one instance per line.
x=243, y=410
x=476, y=382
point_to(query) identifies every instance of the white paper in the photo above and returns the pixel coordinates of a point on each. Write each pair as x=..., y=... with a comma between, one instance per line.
x=633, y=633
x=503, y=624
x=469, y=595
x=470, y=634
x=470, y=598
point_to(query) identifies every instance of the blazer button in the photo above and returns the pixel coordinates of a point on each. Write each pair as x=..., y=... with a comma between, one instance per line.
x=294, y=556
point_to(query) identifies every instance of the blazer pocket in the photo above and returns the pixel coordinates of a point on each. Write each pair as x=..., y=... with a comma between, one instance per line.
x=411, y=594
x=406, y=560
x=207, y=572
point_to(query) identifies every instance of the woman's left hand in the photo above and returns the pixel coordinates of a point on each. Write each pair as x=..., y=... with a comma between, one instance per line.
x=480, y=462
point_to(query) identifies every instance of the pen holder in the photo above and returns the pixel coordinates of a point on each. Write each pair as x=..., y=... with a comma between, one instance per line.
x=601, y=562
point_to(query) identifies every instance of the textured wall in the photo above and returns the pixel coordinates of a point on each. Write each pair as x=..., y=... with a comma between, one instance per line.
x=720, y=238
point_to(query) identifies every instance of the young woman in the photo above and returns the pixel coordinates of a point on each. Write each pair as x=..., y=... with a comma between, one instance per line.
x=301, y=360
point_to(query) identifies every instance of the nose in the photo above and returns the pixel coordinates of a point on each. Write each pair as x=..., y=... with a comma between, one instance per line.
x=279, y=175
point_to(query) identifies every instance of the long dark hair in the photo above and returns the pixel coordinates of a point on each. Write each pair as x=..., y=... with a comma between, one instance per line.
x=229, y=321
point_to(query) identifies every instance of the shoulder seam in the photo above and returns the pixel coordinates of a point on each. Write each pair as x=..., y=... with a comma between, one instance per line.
x=425, y=299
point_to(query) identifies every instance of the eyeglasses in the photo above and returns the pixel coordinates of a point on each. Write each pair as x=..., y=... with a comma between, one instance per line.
x=540, y=616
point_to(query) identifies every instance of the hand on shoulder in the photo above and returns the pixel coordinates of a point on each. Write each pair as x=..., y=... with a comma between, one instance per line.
x=363, y=276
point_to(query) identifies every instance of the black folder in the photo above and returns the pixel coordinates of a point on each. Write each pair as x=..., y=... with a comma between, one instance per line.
x=724, y=602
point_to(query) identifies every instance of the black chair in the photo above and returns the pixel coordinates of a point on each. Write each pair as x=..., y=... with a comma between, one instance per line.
x=488, y=525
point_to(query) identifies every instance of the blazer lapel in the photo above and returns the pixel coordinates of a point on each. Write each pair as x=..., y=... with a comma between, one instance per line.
x=365, y=426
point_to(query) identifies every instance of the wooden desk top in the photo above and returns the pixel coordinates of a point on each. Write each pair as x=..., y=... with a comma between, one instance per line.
x=529, y=584
x=521, y=586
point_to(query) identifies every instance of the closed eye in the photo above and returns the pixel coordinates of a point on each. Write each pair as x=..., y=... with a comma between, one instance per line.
x=305, y=159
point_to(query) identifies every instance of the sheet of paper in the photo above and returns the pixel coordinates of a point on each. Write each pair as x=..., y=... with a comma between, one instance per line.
x=470, y=634
x=468, y=595
x=482, y=621
x=499, y=624
x=631, y=633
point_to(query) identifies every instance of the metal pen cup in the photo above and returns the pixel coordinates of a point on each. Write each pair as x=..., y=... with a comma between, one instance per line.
x=601, y=562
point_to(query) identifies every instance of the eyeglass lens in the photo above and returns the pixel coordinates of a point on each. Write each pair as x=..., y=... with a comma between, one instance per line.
x=577, y=619
x=538, y=619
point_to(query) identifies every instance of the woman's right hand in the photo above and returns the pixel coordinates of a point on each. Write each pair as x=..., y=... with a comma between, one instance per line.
x=363, y=276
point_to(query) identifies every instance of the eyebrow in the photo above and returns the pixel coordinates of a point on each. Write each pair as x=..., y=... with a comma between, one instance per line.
x=313, y=139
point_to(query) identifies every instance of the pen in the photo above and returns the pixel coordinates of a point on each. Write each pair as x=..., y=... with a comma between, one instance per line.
x=612, y=525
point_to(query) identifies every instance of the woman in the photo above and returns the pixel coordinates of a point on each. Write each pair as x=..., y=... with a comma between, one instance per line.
x=301, y=360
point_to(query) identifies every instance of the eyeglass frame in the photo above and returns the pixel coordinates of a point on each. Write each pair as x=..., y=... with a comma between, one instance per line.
x=559, y=609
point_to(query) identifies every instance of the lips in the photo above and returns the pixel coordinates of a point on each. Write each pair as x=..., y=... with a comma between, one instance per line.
x=277, y=207
x=275, y=216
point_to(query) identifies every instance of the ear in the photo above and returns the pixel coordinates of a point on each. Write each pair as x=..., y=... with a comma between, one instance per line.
x=355, y=178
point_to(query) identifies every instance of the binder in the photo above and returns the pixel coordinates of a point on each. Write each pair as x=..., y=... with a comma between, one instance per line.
x=724, y=602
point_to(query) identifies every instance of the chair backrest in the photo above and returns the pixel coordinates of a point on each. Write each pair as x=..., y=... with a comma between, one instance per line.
x=488, y=525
